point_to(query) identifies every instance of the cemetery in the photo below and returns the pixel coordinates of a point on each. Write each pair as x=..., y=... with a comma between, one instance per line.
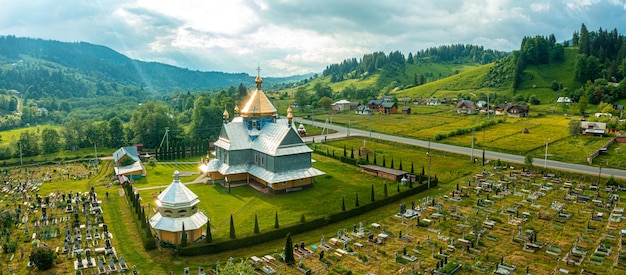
x=66, y=224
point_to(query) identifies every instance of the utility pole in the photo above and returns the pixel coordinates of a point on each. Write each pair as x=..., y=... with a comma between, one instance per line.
x=95, y=149
x=472, y=152
x=545, y=158
x=20, y=144
x=371, y=124
x=429, y=162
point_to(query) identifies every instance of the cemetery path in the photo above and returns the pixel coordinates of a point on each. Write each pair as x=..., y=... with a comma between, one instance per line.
x=558, y=165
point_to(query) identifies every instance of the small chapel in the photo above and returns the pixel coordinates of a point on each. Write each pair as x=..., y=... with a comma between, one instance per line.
x=178, y=214
x=259, y=148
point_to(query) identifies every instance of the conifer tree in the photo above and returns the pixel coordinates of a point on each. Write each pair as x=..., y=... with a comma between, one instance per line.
x=256, y=225
x=183, y=241
x=343, y=204
x=276, y=225
x=209, y=237
x=372, y=197
x=412, y=170
x=400, y=168
x=289, y=258
x=352, y=152
x=232, y=228
x=345, y=154
x=392, y=164
x=384, y=161
x=356, y=203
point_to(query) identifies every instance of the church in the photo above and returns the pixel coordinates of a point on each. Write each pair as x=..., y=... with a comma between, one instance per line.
x=260, y=149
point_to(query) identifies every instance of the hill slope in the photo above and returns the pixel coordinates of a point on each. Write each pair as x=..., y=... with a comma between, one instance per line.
x=46, y=63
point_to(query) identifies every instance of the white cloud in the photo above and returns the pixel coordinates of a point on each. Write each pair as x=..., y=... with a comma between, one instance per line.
x=540, y=7
x=288, y=37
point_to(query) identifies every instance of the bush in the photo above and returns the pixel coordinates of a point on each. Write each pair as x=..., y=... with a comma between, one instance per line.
x=43, y=258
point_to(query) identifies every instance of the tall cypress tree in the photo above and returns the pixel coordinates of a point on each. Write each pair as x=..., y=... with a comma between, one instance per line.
x=384, y=161
x=345, y=154
x=183, y=241
x=400, y=168
x=356, y=203
x=209, y=237
x=276, y=225
x=343, y=204
x=352, y=152
x=372, y=195
x=232, y=228
x=412, y=170
x=289, y=258
x=256, y=225
x=392, y=164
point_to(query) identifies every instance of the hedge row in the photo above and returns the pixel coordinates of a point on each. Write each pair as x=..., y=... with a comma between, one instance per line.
x=216, y=247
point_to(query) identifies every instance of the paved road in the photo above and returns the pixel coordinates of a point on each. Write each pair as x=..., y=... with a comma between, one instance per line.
x=539, y=162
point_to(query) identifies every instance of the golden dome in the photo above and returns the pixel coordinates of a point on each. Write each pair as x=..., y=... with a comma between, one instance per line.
x=258, y=81
x=236, y=109
x=289, y=114
x=225, y=115
x=258, y=105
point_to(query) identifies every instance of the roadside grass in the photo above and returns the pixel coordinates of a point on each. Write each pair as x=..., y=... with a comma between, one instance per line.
x=616, y=157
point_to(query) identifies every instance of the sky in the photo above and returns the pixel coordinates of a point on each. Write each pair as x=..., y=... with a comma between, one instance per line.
x=288, y=37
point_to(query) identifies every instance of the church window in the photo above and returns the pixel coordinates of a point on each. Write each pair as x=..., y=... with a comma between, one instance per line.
x=256, y=159
x=253, y=123
x=262, y=160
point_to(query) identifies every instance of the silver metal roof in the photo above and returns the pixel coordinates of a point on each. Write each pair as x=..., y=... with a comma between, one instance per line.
x=196, y=221
x=130, y=151
x=177, y=195
x=124, y=170
x=273, y=178
x=268, y=140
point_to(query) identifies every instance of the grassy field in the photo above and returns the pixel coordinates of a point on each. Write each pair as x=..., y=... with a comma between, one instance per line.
x=427, y=122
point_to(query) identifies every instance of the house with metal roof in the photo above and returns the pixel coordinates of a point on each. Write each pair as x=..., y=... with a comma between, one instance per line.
x=128, y=164
x=593, y=128
x=260, y=149
x=388, y=107
x=178, y=214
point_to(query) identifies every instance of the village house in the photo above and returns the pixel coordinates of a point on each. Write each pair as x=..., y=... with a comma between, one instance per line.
x=517, y=111
x=433, y=101
x=466, y=107
x=419, y=101
x=388, y=107
x=500, y=110
x=406, y=110
x=374, y=104
x=128, y=164
x=363, y=110
x=564, y=100
x=593, y=128
x=340, y=105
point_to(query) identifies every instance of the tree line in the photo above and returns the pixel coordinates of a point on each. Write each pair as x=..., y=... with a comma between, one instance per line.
x=394, y=63
x=149, y=124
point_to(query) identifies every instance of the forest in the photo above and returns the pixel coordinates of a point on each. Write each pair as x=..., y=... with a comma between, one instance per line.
x=395, y=61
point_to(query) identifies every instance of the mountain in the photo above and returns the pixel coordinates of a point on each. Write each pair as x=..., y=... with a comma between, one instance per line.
x=86, y=70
